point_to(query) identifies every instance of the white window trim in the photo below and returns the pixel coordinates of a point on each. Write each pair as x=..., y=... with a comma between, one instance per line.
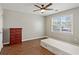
x=64, y=31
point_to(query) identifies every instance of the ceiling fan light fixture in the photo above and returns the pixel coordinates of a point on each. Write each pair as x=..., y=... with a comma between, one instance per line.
x=43, y=10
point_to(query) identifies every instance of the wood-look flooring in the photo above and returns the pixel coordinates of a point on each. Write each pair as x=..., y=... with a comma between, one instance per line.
x=26, y=48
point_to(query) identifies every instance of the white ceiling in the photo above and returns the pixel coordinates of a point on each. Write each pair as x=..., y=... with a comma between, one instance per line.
x=29, y=7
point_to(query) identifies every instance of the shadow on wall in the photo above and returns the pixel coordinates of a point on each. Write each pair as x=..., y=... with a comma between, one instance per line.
x=6, y=35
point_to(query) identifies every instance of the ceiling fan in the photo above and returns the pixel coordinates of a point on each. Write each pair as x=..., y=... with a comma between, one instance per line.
x=43, y=8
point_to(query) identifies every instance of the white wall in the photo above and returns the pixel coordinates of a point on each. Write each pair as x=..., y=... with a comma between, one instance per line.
x=33, y=25
x=1, y=25
x=65, y=36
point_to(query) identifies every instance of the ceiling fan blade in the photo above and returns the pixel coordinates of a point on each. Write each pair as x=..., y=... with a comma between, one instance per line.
x=49, y=9
x=37, y=6
x=36, y=10
x=48, y=5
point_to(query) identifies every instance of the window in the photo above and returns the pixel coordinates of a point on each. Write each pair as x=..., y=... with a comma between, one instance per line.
x=62, y=24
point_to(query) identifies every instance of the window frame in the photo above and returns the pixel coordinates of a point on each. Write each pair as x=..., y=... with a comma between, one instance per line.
x=71, y=15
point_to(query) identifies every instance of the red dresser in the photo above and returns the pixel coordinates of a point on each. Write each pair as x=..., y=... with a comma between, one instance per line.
x=15, y=36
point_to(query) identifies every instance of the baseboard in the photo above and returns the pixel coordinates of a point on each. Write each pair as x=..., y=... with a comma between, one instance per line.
x=28, y=39
x=33, y=38
x=1, y=48
x=5, y=43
